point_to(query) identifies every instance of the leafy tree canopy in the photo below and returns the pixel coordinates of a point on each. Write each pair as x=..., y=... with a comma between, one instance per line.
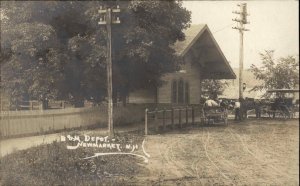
x=212, y=87
x=58, y=50
x=282, y=73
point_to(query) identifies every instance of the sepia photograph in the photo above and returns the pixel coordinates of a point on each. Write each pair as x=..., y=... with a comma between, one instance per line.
x=156, y=92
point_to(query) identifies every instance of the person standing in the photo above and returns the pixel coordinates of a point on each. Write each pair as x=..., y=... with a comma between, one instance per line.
x=244, y=107
x=257, y=106
x=237, y=108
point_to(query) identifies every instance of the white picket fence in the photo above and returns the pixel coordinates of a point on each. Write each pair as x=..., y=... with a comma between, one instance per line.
x=14, y=123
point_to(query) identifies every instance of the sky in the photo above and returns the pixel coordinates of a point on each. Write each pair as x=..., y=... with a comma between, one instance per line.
x=273, y=26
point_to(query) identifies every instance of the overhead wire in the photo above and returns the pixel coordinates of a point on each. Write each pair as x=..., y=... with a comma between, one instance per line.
x=223, y=28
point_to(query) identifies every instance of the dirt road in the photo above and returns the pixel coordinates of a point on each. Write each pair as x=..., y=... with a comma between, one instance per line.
x=257, y=152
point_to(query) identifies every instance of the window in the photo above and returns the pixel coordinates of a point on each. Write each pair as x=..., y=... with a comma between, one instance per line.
x=180, y=92
x=187, y=93
x=174, y=91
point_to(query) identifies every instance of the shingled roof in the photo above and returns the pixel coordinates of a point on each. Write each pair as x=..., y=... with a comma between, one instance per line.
x=191, y=35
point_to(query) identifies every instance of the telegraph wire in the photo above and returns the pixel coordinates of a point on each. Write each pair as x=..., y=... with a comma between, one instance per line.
x=223, y=28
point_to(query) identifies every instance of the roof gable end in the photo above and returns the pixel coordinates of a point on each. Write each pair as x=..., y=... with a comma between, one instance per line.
x=192, y=34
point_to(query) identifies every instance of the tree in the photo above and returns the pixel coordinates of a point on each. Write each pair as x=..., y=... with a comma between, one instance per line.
x=58, y=49
x=282, y=73
x=213, y=87
x=44, y=59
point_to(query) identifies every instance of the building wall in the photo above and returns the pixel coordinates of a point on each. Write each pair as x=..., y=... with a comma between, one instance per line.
x=190, y=73
x=142, y=96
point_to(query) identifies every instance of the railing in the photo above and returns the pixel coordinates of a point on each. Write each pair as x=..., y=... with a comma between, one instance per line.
x=35, y=105
x=29, y=105
x=180, y=117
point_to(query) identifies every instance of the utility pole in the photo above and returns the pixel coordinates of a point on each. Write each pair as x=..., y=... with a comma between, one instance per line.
x=242, y=21
x=1, y=103
x=106, y=19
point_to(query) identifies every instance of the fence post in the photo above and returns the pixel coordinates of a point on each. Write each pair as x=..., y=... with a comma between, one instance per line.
x=164, y=119
x=8, y=126
x=180, y=124
x=155, y=119
x=193, y=116
x=62, y=104
x=40, y=105
x=146, y=121
x=172, y=118
x=31, y=105
x=203, y=118
x=187, y=115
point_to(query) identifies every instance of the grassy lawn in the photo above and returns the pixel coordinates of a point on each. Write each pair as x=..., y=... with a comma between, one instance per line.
x=54, y=164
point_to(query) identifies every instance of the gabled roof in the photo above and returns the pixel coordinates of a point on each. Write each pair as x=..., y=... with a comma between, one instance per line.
x=192, y=35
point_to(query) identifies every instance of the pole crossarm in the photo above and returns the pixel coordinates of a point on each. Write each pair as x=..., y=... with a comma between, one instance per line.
x=238, y=28
x=236, y=12
x=104, y=15
x=237, y=20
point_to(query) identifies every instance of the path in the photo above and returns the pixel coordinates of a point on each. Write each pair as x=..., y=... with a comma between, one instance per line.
x=251, y=153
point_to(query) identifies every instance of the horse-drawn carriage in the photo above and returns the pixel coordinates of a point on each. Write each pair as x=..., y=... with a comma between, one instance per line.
x=282, y=103
x=217, y=114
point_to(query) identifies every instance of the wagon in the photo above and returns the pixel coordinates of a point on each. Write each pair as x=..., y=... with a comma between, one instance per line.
x=215, y=115
x=287, y=106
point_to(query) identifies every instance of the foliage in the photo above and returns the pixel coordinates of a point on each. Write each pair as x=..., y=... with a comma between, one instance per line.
x=58, y=50
x=213, y=87
x=282, y=73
